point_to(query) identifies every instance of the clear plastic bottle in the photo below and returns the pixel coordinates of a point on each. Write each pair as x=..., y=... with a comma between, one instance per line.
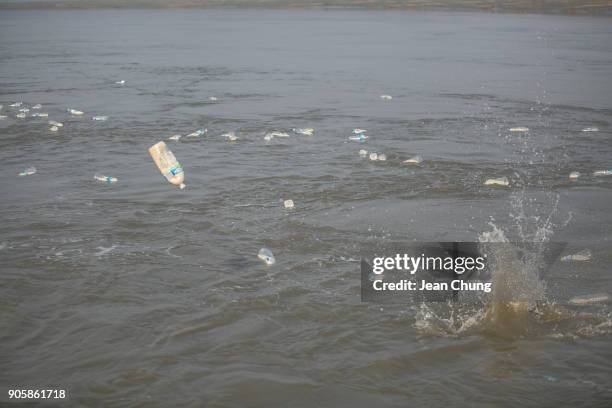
x=106, y=179
x=167, y=164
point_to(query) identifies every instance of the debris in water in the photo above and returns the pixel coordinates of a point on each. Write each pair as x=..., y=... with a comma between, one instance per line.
x=581, y=256
x=382, y=157
x=272, y=135
x=502, y=181
x=20, y=115
x=386, y=97
x=414, y=160
x=359, y=131
x=602, y=173
x=373, y=156
x=37, y=106
x=363, y=153
x=267, y=256
x=574, y=175
x=54, y=123
x=359, y=138
x=519, y=129
x=590, y=299
x=24, y=110
x=28, y=172
x=75, y=112
x=99, y=118
x=167, y=164
x=231, y=136
x=122, y=82
x=53, y=128
x=213, y=98
x=289, y=204
x=175, y=137
x=197, y=133
x=16, y=104
x=40, y=115
x=590, y=129
x=304, y=131
x=106, y=179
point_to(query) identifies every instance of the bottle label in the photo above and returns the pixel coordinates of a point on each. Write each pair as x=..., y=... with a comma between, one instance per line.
x=178, y=169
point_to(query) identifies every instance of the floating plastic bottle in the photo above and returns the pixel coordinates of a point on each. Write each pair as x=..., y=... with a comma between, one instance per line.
x=519, y=129
x=20, y=115
x=231, y=136
x=582, y=256
x=289, y=204
x=373, y=156
x=53, y=129
x=599, y=173
x=75, y=112
x=54, y=123
x=106, y=179
x=40, y=115
x=197, y=133
x=37, y=106
x=590, y=129
x=16, y=104
x=386, y=97
x=590, y=299
x=167, y=164
x=28, y=172
x=271, y=135
x=502, y=181
x=382, y=157
x=213, y=98
x=413, y=160
x=304, y=131
x=363, y=153
x=176, y=138
x=359, y=131
x=99, y=118
x=121, y=82
x=359, y=138
x=574, y=175
x=24, y=110
x=267, y=256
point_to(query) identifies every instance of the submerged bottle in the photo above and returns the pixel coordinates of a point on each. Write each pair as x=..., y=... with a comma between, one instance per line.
x=267, y=256
x=167, y=164
x=106, y=179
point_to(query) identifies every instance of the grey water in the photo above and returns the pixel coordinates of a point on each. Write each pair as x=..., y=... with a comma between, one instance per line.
x=139, y=294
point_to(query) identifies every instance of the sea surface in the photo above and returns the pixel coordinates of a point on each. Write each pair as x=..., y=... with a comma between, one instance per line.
x=138, y=294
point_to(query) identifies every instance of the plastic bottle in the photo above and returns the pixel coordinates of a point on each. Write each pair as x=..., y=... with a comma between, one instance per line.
x=519, y=129
x=602, y=173
x=53, y=129
x=28, y=172
x=373, y=156
x=176, y=138
x=574, y=175
x=386, y=97
x=304, y=131
x=363, y=153
x=267, y=256
x=54, y=123
x=581, y=256
x=359, y=138
x=231, y=136
x=167, y=164
x=414, y=160
x=99, y=118
x=20, y=115
x=590, y=129
x=197, y=133
x=289, y=204
x=213, y=98
x=16, y=104
x=106, y=179
x=122, y=82
x=502, y=181
x=75, y=112
x=382, y=157
x=359, y=131
x=37, y=106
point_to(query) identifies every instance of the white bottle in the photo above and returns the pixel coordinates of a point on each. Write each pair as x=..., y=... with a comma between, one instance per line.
x=167, y=164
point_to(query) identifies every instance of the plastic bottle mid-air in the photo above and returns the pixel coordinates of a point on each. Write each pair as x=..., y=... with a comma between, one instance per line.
x=414, y=160
x=502, y=181
x=99, y=118
x=267, y=256
x=289, y=204
x=167, y=164
x=304, y=131
x=106, y=179
x=28, y=172
x=75, y=112
x=519, y=129
x=602, y=173
x=359, y=138
x=574, y=175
